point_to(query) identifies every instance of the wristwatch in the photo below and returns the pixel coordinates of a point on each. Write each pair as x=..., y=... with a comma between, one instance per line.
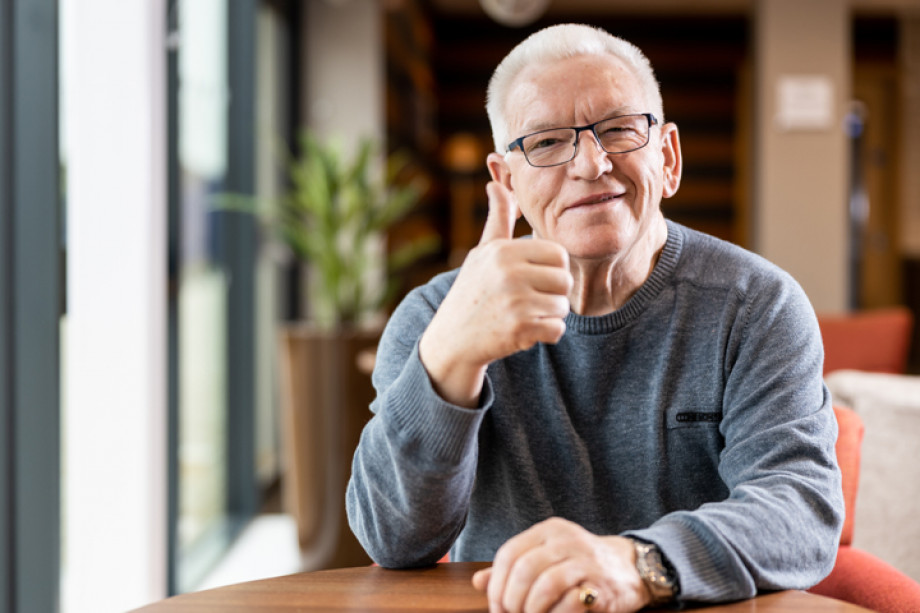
x=657, y=576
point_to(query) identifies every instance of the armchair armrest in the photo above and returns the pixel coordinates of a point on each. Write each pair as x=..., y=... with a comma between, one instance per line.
x=861, y=578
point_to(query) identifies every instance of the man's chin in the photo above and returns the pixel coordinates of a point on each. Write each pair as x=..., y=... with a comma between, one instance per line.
x=596, y=243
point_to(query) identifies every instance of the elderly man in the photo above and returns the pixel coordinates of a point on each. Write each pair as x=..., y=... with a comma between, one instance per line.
x=617, y=411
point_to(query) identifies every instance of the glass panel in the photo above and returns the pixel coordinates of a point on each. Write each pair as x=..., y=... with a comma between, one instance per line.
x=202, y=530
x=272, y=115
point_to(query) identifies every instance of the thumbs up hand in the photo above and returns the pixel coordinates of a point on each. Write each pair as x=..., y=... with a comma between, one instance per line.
x=509, y=295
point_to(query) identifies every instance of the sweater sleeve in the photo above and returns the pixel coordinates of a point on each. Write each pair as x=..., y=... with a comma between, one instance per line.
x=780, y=526
x=414, y=468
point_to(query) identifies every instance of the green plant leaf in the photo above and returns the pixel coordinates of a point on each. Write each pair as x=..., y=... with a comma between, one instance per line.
x=335, y=209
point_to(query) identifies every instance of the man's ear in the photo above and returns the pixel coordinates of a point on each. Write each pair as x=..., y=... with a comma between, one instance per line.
x=671, y=158
x=499, y=169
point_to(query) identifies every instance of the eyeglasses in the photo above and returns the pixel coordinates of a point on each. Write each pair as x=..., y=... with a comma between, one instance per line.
x=557, y=146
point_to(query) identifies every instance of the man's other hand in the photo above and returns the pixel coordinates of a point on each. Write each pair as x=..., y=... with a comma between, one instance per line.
x=546, y=568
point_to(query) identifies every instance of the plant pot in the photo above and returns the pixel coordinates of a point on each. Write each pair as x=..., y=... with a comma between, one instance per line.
x=325, y=398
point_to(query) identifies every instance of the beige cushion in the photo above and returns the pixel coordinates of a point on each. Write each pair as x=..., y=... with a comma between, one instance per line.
x=887, y=522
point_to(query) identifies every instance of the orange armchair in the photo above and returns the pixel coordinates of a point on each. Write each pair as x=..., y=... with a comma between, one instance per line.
x=876, y=340
x=859, y=577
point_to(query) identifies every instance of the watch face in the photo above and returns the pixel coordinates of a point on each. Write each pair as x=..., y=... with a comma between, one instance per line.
x=514, y=12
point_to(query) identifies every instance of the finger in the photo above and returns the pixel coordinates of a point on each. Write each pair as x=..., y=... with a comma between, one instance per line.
x=527, y=317
x=550, y=280
x=574, y=600
x=481, y=579
x=548, y=330
x=506, y=557
x=542, y=251
x=525, y=573
x=547, y=306
x=503, y=213
x=559, y=588
x=542, y=576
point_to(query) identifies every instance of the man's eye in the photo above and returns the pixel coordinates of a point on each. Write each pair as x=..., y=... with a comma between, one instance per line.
x=544, y=143
x=617, y=131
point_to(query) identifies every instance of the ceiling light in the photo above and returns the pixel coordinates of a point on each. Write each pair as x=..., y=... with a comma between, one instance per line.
x=514, y=13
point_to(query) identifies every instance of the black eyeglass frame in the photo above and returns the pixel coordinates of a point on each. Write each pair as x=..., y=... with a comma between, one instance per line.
x=519, y=142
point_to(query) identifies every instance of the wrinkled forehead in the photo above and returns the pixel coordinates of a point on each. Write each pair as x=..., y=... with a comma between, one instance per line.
x=573, y=91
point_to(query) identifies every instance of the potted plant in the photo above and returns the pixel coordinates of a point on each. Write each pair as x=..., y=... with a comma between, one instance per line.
x=333, y=219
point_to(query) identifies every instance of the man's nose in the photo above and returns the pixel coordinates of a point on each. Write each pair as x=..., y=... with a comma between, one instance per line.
x=590, y=157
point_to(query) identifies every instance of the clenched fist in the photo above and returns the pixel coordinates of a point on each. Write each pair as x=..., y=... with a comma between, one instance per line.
x=509, y=295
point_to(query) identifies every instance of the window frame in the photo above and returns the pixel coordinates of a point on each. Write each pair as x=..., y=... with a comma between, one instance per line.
x=31, y=303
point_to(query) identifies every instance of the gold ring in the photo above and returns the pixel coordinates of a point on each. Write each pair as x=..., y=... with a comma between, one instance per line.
x=587, y=597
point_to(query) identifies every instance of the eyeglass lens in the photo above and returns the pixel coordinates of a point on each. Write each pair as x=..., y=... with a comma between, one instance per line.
x=558, y=146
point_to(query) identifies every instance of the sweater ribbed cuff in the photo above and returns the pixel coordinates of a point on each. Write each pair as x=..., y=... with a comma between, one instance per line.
x=427, y=424
x=703, y=577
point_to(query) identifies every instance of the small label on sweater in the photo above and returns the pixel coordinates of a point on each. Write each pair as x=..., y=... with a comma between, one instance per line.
x=691, y=417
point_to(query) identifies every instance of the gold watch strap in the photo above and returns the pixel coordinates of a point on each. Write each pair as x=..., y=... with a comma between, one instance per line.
x=658, y=579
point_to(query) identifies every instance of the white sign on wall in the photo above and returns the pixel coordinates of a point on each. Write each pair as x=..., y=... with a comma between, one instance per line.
x=804, y=102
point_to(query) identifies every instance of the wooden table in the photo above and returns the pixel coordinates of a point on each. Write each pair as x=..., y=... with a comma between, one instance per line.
x=445, y=587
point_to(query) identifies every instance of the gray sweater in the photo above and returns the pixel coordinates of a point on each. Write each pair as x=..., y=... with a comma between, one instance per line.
x=694, y=417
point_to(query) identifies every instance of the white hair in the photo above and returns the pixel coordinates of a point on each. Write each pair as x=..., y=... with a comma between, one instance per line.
x=556, y=43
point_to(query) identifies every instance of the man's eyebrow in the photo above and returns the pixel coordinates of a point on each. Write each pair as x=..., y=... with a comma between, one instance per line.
x=545, y=125
x=540, y=126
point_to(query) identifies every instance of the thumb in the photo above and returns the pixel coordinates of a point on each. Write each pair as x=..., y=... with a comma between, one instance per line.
x=503, y=213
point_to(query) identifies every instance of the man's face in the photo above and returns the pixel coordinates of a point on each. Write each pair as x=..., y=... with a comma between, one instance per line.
x=599, y=205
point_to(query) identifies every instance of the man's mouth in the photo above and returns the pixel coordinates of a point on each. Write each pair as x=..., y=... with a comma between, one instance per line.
x=595, y=199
